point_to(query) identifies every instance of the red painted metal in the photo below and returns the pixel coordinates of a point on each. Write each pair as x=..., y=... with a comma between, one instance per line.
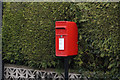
x=68, y=32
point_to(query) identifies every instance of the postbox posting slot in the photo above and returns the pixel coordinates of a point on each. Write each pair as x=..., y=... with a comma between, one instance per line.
x=60, y=28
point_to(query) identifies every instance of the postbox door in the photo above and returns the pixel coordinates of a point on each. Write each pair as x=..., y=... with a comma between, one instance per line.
x=61, y=37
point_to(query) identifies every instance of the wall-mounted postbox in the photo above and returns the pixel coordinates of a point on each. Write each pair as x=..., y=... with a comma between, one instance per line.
x=66, y=38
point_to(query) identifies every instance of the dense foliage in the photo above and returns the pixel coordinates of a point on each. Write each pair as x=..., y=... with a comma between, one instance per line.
x=99, y=38
x=28, y=34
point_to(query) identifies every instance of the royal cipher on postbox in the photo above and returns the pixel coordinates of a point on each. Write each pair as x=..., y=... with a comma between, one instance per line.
x=66, y=38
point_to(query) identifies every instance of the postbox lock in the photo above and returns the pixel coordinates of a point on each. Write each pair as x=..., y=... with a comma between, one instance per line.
x=61, y=36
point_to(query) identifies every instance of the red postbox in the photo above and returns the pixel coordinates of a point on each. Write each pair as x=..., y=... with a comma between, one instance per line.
x=66, y=38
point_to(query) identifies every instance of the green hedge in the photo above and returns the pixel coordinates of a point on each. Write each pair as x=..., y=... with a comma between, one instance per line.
x=28, y=34
x=99, y=38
